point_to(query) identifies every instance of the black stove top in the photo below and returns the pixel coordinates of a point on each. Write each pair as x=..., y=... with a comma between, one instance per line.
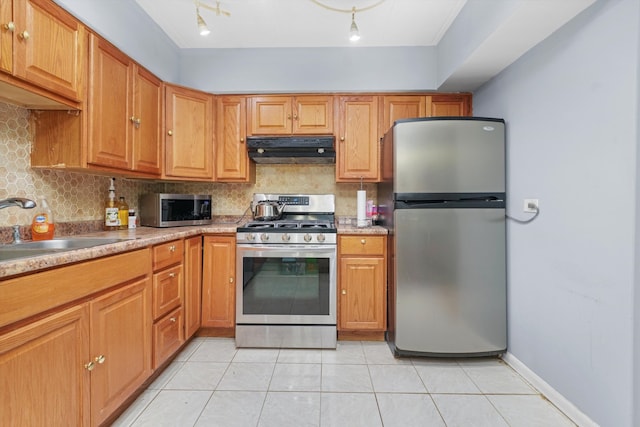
x=290, y=226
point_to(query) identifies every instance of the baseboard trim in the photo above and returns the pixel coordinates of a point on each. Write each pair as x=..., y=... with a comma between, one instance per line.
x=561, y=402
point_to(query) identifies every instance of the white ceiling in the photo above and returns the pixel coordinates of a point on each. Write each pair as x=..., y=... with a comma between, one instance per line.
x=303, y=23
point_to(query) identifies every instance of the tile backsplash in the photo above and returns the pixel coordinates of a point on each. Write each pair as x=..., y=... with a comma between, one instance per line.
x=80, y=196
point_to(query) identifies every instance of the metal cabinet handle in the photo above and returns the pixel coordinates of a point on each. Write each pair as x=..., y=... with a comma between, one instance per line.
x=100, y=359
x=24, y=35
x=230, y=279
x=344, y=292
x=242, y=140
x=136, y=121
x=342, y=138
x=172, y=248
x=288, y=116
x=172, y=319
x=295, y=117
x=363, y=241
x=9, y=26
x=170, y=132
x=89, y=366
x=172, y=275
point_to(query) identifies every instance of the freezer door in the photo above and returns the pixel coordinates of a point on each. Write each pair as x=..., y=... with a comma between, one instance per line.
x=449, y=156
x=450, y=289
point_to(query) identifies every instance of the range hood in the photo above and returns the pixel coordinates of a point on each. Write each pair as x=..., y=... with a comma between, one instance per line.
x=292, y=149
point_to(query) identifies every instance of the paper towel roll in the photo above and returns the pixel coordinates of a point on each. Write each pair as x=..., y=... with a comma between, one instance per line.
x=361, y=208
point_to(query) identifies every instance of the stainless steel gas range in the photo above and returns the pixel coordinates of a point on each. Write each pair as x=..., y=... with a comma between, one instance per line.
x=286, y=275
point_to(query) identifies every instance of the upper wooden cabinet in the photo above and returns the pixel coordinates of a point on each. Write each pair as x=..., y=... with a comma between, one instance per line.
x=44, y=45
x=232, y=160
x=396, y=107
x=188, y=136
x=285, y=115
x=124, y=106
x=448, y=105
x=358, y=145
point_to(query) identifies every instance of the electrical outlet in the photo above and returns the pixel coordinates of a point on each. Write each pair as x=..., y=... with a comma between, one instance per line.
x=531, y=205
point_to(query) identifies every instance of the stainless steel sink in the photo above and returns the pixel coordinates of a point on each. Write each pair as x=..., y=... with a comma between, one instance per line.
x=44, y=247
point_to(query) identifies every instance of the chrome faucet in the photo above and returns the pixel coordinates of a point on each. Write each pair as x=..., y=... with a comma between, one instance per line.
x=17, y=201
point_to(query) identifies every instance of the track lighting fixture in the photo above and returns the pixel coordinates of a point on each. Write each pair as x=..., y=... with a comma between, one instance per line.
x=202, y=26
x=354, y=34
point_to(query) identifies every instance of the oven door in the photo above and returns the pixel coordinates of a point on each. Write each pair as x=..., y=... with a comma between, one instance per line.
x=286, y=285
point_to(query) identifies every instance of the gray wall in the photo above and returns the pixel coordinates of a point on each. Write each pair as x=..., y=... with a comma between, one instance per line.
x=309, y=70
x=571, y=106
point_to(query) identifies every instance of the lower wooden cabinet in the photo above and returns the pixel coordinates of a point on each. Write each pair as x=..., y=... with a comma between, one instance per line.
x=192, y=285
x=120, y=347
x=42, y=368
x=77, y=364
x=218, y=281
x=167, y=297
x=362, y=283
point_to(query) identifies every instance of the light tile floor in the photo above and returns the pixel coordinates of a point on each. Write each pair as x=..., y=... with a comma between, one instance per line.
x=211, y=383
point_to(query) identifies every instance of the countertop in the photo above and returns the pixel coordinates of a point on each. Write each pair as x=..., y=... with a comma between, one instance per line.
x=136, y=238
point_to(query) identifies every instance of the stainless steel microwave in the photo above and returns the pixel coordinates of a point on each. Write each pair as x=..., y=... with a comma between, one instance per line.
x=174, y=210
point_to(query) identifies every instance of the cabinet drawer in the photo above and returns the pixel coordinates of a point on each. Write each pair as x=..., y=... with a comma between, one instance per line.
x=168, y=336
x=362, y=245
x=167, y=254
x=167, y=290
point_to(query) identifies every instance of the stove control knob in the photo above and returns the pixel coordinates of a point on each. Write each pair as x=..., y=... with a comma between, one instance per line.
x=321, y=237
x=251, y=237
x=264, y=237
x=286, y=237
x=307, y=237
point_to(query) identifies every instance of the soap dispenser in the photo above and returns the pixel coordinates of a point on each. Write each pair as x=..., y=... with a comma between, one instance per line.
x=42, y=225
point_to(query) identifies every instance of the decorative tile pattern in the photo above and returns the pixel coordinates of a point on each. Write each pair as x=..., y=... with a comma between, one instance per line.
x=79, y=197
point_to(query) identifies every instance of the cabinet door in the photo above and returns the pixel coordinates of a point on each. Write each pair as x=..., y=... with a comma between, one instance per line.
x=168, y=336
x=146, y=121
x=189, y=134
x=270, y=115
x=6, y=36
x=358, y=149
x=232, y=160
x=398, y=107
x=42, y=370
x=448, y=105
x=192, y=285
x=313, y=115
x=121, y=345
x=218, y=281
x=362, y=293
x=109, y=141
x=49, y=47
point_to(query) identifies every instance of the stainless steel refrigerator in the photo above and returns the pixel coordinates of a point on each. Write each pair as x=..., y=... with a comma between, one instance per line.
x=442, y=198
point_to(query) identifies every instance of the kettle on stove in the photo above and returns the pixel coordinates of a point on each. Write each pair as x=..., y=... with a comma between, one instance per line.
x=268, y=210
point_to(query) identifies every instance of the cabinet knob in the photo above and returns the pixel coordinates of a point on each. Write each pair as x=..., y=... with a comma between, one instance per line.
x=170, y=132
x=24, y=35
x=9, y=26
x=135, y=121
x=172, y=248
x=242, y=140
x=288, y=116
x=172, y=319
x=172, y=275
x=295, y=117
x=363, y=241
x=344, y=292
x=230, y=279
x=89, y=366
x=100, y=359
x=342, y=138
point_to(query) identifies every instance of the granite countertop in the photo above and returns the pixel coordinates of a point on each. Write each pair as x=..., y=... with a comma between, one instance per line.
x=136, y=238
